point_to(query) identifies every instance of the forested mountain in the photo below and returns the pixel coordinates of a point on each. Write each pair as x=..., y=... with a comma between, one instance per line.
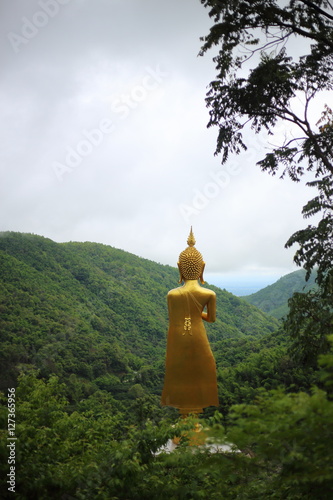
x=83, y=338
x=273, y=299
x=93, y=311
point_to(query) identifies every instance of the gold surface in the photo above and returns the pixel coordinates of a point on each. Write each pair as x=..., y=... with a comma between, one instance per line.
x=190, y=371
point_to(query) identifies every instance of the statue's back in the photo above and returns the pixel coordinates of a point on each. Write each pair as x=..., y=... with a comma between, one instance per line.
x=190, y=375
x=190, y=372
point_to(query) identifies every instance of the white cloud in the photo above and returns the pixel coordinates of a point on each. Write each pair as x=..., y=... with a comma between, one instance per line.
x=96, y=61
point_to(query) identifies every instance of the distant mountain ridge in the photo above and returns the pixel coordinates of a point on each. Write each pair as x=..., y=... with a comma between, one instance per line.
x=273, y=299
x=91, y=311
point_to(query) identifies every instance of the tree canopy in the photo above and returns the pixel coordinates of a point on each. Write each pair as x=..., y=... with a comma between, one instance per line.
x=274, y=61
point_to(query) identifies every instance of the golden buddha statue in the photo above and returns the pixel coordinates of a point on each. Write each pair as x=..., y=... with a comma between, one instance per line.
x=190, y=371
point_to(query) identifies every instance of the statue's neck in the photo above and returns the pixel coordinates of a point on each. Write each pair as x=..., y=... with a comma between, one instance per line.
x=191, y=284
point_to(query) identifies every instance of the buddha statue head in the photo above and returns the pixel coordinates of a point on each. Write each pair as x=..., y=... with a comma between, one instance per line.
x=190, y=262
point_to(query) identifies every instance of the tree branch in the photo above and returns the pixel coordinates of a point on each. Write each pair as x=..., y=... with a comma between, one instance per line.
x=293, y=140
x=306, y=34
x=318, y=150
x=263, y=47
x=318, y=9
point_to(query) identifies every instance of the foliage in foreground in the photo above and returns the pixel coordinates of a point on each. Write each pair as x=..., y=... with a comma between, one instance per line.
x=281, y=448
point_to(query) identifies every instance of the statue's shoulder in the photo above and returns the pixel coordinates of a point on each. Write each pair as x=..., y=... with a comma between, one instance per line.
x=174, y=291
x=208, y=291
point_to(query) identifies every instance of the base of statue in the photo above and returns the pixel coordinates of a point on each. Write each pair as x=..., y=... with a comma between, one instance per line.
x=196, y=437
x=171, y=446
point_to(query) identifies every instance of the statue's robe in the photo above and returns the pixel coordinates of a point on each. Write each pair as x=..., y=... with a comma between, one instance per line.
x=190, y=372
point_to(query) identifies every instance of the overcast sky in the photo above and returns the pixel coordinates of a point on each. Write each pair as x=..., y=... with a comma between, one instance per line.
x=104, y=138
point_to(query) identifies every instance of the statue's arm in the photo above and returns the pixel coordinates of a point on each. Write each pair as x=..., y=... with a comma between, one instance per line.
x=210, y=315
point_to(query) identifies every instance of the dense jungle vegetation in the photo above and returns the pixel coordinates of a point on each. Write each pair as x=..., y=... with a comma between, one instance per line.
x=83, y=336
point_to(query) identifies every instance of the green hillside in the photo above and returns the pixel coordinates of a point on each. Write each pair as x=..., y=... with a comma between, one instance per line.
x=273, y=299
x=83, y=337
x=91, y=311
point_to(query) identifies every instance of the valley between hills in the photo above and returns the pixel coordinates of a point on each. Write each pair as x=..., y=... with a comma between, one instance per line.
x=83, y=341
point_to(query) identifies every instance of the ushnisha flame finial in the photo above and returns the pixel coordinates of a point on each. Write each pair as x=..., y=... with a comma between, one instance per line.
x=191, y=239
